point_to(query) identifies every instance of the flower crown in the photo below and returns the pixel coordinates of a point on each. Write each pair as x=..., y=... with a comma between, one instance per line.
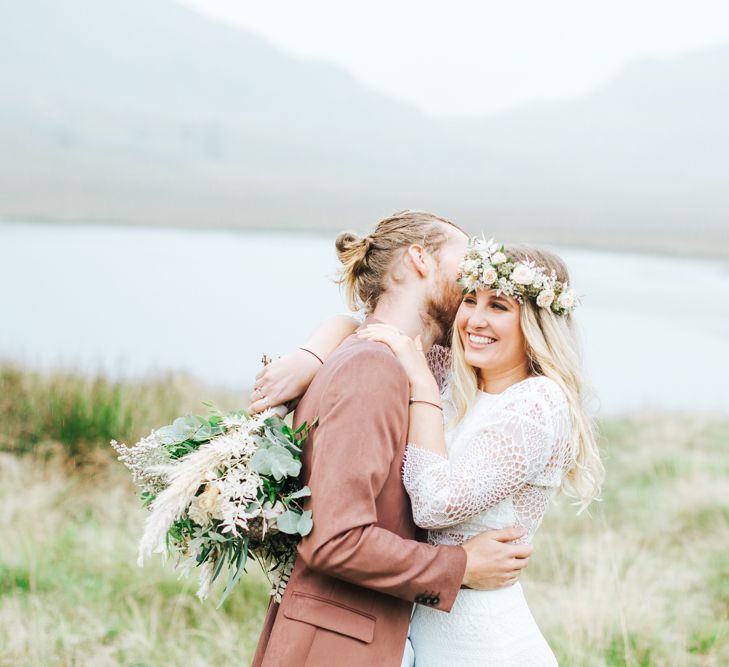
x=487, y=266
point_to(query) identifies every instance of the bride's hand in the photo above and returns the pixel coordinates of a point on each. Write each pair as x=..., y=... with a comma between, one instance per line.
x=408, y=351
x=283, y=380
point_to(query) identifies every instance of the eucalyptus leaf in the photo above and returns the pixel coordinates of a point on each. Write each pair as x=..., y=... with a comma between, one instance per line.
x=205, y=432
x=276, y=461
x=261, y=442
x=168, y=435
x=305, y=524
x=288, y=522
x=261, y=461
x=285, y=465
x=179, y=430
x=304, y=492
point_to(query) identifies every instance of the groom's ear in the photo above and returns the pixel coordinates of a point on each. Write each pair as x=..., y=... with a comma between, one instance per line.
x=417, y=256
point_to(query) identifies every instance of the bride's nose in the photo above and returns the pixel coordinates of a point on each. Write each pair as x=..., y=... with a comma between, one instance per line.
x=479, y=318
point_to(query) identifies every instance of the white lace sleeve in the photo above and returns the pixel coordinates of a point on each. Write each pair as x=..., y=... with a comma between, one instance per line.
x=440, y=361
x=511, y=447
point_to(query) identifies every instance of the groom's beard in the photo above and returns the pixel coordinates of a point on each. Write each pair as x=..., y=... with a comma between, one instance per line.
x=440, y=311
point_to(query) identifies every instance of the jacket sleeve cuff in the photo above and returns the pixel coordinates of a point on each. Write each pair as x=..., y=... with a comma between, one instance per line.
x=450, y=584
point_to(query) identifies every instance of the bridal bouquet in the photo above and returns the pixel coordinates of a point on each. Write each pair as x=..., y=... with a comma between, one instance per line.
x=222, y=489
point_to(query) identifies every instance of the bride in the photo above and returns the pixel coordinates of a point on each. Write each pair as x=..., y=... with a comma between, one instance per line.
x=497, y=427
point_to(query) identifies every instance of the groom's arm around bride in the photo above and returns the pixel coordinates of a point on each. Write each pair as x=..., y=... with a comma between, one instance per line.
x=361, y=569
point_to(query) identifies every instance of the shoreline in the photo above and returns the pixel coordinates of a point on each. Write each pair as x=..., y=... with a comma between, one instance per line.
x=712, y=245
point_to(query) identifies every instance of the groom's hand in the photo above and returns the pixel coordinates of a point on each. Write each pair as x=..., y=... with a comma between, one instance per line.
x=492, y=562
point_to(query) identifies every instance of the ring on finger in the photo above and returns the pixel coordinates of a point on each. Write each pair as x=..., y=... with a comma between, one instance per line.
x=258, y=389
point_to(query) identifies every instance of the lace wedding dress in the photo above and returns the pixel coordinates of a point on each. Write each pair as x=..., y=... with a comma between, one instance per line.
x=506, y=460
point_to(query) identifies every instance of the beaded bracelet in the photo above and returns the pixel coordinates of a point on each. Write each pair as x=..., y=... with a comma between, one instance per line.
x=313, y=354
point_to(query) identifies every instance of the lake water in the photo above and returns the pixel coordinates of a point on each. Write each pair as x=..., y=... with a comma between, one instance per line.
x=135, y=302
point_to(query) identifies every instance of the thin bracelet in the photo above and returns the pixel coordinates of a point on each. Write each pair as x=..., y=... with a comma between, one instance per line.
x=416, y=400
x=314, y=354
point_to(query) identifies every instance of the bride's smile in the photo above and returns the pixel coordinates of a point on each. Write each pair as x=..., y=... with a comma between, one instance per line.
x=479, y=342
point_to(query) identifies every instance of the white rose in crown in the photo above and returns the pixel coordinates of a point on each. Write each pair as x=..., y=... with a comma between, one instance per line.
x=489, y=275
x=522, y=274
x=566, y=300
x=545, y=298
x=540, y=281
x=498, y=258
x=469, y=266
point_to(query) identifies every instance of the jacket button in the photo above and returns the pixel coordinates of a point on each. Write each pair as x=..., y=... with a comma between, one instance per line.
x=435, y=600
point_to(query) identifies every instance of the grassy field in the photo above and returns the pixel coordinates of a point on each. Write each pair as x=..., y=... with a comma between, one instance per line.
x=644, y=581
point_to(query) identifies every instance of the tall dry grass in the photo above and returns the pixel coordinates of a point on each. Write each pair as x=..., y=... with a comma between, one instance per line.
x=75, y=416
x=71, y=593
x=644, y=581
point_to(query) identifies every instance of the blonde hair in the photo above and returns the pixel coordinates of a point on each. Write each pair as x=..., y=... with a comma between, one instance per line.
x=367, y=262
x=553, y=350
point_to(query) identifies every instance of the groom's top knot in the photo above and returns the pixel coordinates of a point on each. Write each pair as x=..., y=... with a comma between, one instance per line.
x=351, y=249
x=367, y=262
x=346, y=242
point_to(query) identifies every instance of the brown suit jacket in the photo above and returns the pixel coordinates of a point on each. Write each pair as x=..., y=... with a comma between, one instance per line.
x=360, y=570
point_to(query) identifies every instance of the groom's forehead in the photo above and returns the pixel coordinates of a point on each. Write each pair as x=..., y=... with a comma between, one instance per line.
x=454, y=230
x=457, y=235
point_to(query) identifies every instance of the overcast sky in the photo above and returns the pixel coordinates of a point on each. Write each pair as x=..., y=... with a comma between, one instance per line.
x=472, y=57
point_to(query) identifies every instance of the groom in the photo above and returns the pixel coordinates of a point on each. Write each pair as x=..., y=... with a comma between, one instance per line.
x=360, y=570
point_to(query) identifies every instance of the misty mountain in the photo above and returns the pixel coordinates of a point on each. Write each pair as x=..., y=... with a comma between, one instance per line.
x=144, y=111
